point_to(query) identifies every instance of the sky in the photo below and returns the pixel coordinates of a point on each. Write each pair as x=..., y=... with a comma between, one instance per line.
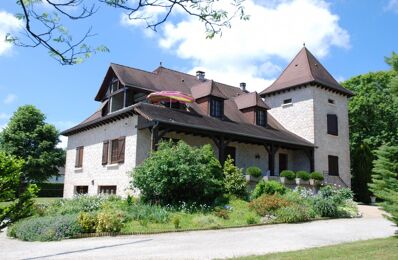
x=349, y=37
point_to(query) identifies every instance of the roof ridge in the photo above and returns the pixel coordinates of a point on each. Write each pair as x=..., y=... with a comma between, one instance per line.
x=117, y=64
x=306, y=51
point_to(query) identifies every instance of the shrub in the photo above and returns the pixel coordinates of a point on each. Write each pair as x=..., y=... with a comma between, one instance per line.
x=110, y=221
x=267, y=204
x=316, y=176
x=250, y=220
x=176, y=222
x=348, y=210
x=221, y=213
x=87, y=222
x=288, y=175
x=268, y=187
x=234, y=182
x=206, y=221
x=325, y=207
x=292, y=214
x=77, y=204
x=176, y=173
x=48, y=228
x=253, y=171
x=305, y=176
x=339, y=196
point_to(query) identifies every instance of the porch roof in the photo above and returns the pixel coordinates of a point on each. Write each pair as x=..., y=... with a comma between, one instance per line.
x=193, y=122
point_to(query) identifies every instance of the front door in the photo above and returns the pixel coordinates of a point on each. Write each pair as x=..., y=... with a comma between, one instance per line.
x=231, y=151
x=282, y=162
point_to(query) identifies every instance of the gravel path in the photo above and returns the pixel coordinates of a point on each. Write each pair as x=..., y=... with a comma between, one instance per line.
x=207, y=244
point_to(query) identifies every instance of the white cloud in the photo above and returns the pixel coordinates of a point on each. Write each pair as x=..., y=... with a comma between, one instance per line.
x=247, y=51
x=64, y=142
x=8, y=24
x=392, y=5
x=10, y=98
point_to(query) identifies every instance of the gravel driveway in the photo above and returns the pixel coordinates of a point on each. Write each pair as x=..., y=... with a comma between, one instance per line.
x=207, y=244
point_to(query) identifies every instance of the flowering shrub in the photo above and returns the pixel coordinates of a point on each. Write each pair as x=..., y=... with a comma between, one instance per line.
x=293, y=213
x=267, y=204
x=45, y=228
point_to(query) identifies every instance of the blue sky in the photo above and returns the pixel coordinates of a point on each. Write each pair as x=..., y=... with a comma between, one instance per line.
x=349, y=37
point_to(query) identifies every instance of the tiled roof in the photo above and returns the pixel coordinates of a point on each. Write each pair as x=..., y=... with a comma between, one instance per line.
x=247, y=100
x=305, y=69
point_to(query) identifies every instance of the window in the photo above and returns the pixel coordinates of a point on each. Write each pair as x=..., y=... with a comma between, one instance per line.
x=287, y=101
x=331, y=101
x=332, y=124
x=115, y=85
x=282, y=162
x=108, y=190
x=79, y=157
x=333, y=165
x=117, y=101
x=81, y=189
x=117, y=150
x=216, y=108
x=261, y=117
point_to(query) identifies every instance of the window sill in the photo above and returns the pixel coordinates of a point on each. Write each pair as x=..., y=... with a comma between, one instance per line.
x=287, y=105
x=78, y=169
x=112, y=166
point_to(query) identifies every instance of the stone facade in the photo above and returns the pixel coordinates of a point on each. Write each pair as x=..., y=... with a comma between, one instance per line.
x=306, y=116
x=93, y=174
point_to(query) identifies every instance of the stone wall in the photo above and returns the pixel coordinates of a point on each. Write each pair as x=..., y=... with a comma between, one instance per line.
x=93, y=174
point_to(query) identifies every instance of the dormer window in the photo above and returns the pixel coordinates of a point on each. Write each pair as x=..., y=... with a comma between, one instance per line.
x=216, y=107
x=115, y=85
x=261, y=117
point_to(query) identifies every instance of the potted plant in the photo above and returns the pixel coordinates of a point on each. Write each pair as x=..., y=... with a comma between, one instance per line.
x=287, y=175
x=302, y=177
x=253, y=174
x=316, y=178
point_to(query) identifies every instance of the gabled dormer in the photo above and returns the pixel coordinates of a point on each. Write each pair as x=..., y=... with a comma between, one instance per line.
x=116, y=94
x=253, y=108
x=209, y=98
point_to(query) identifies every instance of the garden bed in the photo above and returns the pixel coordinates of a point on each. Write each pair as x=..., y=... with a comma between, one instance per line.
x=86, y=216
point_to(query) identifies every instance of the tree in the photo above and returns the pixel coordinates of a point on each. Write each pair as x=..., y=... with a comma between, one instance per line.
x=29, y=138
x=373, y=115
x=362, y=165
x=234, y=182
x=373, y=112
x=179, y=173
x=385, y=180
x=46, y=28
x=393, y=62
x=10, y=169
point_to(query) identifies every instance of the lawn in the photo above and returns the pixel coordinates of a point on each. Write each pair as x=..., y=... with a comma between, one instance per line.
x=386, y=248
x=37, y=200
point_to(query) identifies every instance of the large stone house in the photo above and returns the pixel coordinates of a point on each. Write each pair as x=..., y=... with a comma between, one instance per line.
x=300, y=122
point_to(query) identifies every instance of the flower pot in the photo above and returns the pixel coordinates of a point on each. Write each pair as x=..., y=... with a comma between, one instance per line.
x=250, y=178
x=314, y=182
x=373, y=200
x=299, y=181
x=283, y=180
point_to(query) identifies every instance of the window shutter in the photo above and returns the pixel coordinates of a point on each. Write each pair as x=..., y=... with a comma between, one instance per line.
x=77, y=161
x=114, y=151
x=333, y=165
x=105, y=149
x=332, y=124
x=79, y=157
x=121, y=147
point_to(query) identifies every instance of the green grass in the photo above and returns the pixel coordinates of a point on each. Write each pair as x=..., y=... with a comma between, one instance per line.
x=37, y=200
x=386, y=248
x=237, y=217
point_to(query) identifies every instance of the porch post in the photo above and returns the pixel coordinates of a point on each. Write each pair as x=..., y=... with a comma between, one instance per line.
x=221, y=150
x=310, y=155
x=154, y=136
x=271, y=149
